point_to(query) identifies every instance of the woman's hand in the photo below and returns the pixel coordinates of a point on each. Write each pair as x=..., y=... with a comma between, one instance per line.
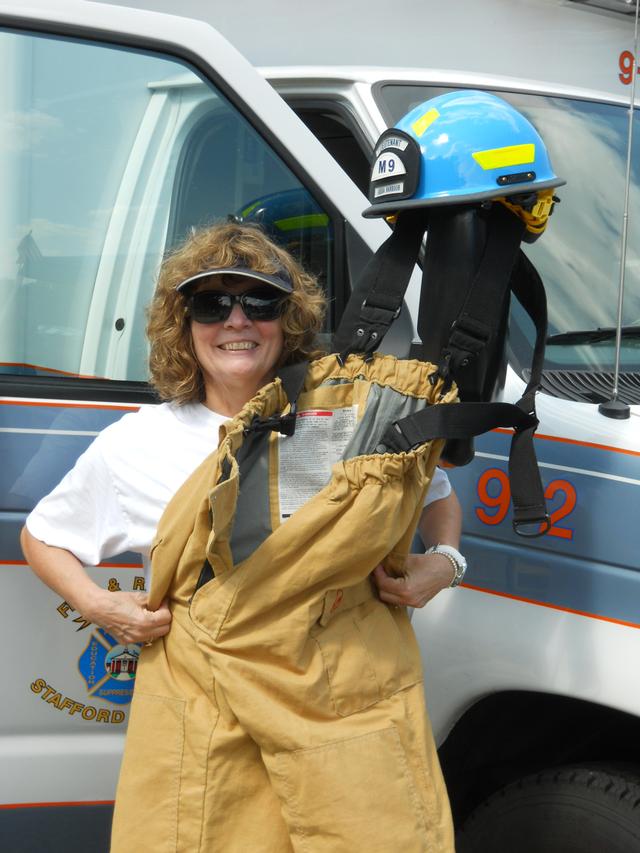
x=124, y=615
x=424, y=576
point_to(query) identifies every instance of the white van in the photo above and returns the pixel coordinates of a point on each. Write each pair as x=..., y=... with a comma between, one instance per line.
x=121, y=130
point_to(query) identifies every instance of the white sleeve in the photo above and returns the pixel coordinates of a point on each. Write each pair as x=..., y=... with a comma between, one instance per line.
x=440, y=487
x=83, y=513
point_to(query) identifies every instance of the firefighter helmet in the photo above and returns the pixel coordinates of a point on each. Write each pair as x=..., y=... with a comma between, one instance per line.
x=461, y=147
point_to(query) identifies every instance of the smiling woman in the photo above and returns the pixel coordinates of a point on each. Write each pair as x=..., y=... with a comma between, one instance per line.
x=222, y=362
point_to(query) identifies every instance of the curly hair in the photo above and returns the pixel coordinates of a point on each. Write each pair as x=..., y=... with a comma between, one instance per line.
x=173, y=367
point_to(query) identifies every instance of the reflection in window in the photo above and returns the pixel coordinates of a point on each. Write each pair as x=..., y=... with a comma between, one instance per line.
x=214, y=183
x=108, y=158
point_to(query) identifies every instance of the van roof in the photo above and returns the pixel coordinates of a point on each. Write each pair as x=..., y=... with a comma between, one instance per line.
x=557, y=41
x=317, y=75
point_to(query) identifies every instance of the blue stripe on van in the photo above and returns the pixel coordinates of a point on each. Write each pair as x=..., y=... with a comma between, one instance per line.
x=592, y=564
x=570, y=453
x=597, y=589
x=32, y=463
x=61, y=417
x=10, y=552
x=56, y=827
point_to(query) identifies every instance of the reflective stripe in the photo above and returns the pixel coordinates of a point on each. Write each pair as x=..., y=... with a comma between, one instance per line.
x=511, y=155
x=30, y=431
x=568, y=468
x=251, y=207
x=425, y=121
x=309, y=220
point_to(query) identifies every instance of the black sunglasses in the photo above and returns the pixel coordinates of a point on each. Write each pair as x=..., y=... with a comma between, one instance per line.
x=213, y=306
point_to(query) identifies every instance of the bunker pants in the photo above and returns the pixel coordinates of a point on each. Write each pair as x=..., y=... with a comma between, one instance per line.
x=284, y=710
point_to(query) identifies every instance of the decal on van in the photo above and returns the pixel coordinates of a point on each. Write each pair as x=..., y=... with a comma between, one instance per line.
x=55, y=699
x=108, y=668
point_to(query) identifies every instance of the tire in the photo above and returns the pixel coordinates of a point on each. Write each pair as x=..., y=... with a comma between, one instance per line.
x=565, y=810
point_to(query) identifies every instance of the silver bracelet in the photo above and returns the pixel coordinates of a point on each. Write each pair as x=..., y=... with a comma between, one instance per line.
x=456, y=559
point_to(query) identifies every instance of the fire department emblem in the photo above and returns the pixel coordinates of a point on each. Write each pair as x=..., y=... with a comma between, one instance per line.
x=108, y=668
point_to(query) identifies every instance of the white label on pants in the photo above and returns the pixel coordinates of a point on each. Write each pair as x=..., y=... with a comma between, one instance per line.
x=306, y=457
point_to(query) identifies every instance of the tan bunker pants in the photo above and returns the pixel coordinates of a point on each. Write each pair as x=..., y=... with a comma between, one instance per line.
x=284, y=711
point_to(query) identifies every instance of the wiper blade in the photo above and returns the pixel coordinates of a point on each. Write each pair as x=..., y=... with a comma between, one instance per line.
x=592, y=336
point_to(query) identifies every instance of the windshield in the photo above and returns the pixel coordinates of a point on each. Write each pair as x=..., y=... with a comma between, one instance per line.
x=578, y=257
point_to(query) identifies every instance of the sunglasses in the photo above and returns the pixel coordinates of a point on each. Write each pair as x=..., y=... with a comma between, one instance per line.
x=212, y=306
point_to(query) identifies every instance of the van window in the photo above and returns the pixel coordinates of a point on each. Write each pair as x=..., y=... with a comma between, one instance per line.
x=109, y=157
x=579, y=255
x=338, y=133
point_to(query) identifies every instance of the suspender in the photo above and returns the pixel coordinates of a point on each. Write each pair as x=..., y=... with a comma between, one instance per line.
x=476, y=335
x=292, y=378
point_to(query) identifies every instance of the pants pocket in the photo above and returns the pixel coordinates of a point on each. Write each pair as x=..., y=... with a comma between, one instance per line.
x=350, y=795
x=368, y=654
x=146, y=810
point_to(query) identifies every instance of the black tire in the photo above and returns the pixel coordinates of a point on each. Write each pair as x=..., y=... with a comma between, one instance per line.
x=566, y=810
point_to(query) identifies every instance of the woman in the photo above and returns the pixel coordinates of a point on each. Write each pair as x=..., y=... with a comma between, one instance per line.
x=230, y=310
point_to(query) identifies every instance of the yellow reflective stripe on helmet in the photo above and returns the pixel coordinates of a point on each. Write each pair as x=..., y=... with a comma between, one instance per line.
x=511, y=155
x=421, y=124
x=251, y=207
x=308, y=220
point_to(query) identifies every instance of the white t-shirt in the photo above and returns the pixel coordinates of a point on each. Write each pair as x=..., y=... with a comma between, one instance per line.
x=112, y=499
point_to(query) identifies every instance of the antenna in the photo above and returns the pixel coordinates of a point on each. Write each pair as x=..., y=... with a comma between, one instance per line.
x=614, y=408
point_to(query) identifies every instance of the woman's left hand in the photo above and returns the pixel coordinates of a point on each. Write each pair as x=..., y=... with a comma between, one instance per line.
x=424, y=576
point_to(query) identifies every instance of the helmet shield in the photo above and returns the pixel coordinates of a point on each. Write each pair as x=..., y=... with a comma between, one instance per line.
x=396, y=169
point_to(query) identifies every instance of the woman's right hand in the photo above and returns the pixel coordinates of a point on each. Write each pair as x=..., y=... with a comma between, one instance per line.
x=125, y=616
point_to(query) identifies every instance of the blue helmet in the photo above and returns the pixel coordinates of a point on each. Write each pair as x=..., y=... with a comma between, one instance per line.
x=286, y=215
x=458, y=148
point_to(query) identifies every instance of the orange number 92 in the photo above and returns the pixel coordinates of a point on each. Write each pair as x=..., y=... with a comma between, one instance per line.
x=495, y=505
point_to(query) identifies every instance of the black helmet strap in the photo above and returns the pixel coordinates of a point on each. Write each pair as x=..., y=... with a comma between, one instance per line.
x=470, y=267
x=377, y=295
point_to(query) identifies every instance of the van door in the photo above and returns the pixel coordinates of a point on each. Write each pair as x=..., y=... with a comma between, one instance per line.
x=122, y=131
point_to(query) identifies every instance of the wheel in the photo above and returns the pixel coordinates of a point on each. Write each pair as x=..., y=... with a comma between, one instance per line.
x=565, y=810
